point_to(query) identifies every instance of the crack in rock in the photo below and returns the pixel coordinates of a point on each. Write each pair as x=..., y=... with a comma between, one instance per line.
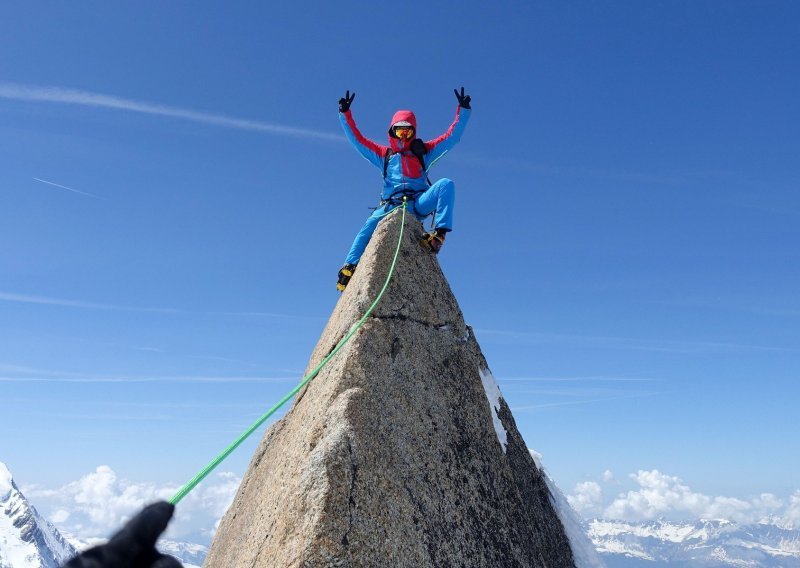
x=351, y=502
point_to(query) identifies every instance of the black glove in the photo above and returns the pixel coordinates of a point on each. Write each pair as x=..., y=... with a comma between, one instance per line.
x=463, y=100
x=346, y=101
x=134, y=546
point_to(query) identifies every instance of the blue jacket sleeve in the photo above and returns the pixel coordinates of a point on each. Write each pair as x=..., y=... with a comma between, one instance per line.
x=440, y=146
x=366, y=147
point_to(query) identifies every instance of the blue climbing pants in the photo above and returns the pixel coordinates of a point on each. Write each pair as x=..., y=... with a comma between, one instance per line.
x=439, y=197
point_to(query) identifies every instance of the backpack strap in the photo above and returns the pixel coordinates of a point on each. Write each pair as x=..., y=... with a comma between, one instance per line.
x=419, y=150
x=386, y=158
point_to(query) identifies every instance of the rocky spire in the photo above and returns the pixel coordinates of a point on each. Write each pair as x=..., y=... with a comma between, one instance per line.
x=402, y=451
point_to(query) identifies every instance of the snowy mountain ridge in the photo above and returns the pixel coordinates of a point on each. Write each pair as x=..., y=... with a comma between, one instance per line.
x=190, y=554
x=26, y=538
x=705, y=543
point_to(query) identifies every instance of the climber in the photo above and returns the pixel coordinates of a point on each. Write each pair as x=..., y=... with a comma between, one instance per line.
x=405, y=164
x=134, y=545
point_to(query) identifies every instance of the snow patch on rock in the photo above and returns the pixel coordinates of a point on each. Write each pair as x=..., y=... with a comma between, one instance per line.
x=493, y=395
x=5, y=481
x=583, y=550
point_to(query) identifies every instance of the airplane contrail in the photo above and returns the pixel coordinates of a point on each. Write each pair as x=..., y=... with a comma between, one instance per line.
x=49, y=301
x=65, y=187
x=29, y=93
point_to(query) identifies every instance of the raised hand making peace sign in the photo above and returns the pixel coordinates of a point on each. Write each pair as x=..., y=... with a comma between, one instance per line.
x=346, y=101
x=463, y=100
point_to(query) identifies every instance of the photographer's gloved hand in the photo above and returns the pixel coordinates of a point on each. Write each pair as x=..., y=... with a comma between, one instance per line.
x=134, y=546
x=346, y=101
x=463, y=100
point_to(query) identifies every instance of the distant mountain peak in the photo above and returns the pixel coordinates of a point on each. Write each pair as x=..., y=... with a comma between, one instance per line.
x=27, y=540
x=714, y=543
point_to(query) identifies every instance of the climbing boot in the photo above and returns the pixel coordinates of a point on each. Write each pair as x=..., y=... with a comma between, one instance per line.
x=433, y=241
x=345, y=273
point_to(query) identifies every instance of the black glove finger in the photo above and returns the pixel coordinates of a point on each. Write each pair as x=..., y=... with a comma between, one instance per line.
x=104, y=557
x=166, y=561
x=133, y=545
x=346, y=101
x=152, y=521
x=463, y=99
x=145, y=528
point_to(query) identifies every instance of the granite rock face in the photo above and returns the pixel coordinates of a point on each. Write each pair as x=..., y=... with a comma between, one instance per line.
x=392, y=455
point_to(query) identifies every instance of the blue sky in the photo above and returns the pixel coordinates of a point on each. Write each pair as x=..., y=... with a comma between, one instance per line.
x=625, y=238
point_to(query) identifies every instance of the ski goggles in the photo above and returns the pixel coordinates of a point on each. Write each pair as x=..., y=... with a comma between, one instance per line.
x=403, y=132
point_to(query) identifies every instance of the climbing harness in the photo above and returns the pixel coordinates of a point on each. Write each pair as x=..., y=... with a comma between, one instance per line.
x=203, y=473
x=399, y=196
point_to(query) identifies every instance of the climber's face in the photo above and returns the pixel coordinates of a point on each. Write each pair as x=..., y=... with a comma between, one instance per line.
x=404, y=132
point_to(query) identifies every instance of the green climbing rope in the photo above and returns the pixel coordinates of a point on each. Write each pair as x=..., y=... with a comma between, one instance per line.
x=203, y=473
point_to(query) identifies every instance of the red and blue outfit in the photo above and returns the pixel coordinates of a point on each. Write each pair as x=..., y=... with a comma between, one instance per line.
x=405, y=175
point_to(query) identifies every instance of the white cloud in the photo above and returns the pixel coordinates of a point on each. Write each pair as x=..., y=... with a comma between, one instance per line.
x=791, y=518
x=608, y=476
x=98, y=503
x=587, y=499
x=661, y=495
x=60, y=516
x=61, y=95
